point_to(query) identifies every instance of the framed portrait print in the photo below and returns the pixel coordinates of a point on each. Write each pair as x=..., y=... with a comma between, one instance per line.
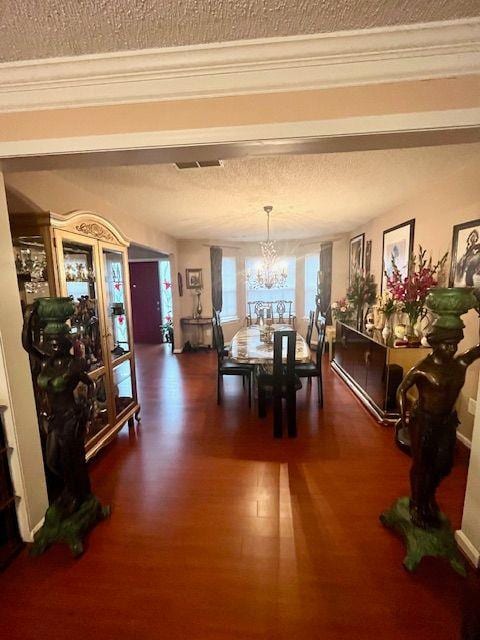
x=397, y=246
x=465, y=265
x=357, y=248
x=193, y=278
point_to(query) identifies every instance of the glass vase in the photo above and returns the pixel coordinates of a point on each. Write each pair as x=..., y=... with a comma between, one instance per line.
x=412, y=335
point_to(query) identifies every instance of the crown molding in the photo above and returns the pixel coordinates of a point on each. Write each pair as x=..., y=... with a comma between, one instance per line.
x=390, y=54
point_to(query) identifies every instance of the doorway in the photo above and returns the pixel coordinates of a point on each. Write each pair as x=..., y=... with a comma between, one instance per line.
x=146, y=306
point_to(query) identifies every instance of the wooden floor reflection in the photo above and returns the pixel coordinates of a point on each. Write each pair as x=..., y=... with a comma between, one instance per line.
x=218, y=531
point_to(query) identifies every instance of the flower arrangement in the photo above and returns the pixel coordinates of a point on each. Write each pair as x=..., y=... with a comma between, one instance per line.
x=410, y=291
x=341, y=310
x=362, y=291
x=386, y=304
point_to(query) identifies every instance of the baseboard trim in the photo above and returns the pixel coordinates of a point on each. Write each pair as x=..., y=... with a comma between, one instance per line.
x=177, y=351
x=467, y=548
x=464, y=440
x=35, y=529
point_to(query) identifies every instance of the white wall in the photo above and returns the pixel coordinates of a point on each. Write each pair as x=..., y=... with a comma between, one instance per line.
x=437, y=207
x=16, y=391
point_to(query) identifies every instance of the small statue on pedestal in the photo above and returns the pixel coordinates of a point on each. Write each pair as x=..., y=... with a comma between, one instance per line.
x=63, y=420
x=432, y=423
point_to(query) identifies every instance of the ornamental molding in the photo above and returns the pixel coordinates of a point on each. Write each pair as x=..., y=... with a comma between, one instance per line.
x=95, y=230
x=388, y=54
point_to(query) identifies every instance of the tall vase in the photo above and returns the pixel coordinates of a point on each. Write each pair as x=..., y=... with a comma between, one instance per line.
x=198, y=308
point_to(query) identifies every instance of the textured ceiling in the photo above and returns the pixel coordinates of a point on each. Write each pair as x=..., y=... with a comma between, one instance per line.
x=312, y=195
x=47, y=28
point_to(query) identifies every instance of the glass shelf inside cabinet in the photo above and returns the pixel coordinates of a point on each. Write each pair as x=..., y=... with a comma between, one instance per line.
x=122, y=385
x=117, y=317
x=31, y=267
x=81, y=286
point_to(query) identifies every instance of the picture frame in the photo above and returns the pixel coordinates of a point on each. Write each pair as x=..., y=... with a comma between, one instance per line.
x=465, y=263
x=397, y=243
x=356, y=255
x=193, y=279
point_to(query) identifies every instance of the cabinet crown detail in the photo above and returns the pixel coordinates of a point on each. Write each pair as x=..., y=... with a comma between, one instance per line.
x=95, y=230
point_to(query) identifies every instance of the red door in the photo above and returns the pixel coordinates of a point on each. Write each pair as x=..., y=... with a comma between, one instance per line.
x=145, y=291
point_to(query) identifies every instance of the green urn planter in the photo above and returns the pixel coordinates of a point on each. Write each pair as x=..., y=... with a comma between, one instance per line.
x=53, y=313
x=449, y=305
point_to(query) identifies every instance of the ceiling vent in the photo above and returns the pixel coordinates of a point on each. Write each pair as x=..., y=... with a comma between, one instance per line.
x=201, y=164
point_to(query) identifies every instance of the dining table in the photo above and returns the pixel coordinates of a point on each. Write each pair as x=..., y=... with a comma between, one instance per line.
x=247, y=346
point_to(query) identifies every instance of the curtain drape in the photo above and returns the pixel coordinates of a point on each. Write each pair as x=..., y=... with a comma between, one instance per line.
x=325, y=281
x=216, y=271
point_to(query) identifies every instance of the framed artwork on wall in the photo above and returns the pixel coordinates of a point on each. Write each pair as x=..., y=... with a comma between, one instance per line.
x=368, y=257
x=357, y=249
x=465, y=265
x=193, y=278
x=397, y=245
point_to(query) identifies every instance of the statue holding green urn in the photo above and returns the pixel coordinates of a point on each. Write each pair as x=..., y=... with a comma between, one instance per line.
x=432, y=422
x=63, y=421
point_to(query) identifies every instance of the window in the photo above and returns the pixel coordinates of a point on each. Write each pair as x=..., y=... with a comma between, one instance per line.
x=229, y=288
x=166, y=302
x=312, y=265
x=270, y=295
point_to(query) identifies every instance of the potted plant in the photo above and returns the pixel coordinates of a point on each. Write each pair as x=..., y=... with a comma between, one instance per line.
x=410, y=291
x=362, y=291
x=387, y=307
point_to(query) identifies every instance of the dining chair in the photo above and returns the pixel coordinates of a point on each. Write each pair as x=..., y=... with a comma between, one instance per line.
x=314, y=369
x=308, y=337
x=284, y=384
x=228, y=367
x=217, y=321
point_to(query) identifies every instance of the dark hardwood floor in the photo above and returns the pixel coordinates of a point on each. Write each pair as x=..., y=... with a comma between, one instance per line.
x=219, y=531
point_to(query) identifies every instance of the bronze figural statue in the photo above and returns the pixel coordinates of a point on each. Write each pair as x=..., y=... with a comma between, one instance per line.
x=432, y=420
x=62, y=418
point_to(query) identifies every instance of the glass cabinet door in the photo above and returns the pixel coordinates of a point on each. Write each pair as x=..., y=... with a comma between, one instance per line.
x=31, y=266
x=116, y=311
x=79, y=274
x=118, y=330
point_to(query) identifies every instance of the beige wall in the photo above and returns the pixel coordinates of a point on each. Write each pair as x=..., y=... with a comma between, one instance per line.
x=289, y=106
x=437, y=208
x=51, y=192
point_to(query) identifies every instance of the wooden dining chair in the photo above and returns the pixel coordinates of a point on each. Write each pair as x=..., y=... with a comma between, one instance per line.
x=228, y=367
x=283, y=383
x=308, y=337
x=314, y=369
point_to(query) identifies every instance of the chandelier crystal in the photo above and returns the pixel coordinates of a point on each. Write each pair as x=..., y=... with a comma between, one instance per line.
x=269, y=273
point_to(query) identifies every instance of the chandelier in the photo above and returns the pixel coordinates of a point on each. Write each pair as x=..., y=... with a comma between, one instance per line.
x=268, y=274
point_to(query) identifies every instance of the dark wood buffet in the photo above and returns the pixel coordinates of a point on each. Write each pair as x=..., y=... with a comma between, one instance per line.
x=372, y=367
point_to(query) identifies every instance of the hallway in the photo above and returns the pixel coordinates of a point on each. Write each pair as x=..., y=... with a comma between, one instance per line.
x=219, y=531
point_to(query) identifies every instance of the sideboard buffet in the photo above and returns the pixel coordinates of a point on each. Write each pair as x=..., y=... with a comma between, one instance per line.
x=373, y=367
x=84, y=256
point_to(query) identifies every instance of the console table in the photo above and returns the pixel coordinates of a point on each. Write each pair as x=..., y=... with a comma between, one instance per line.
x=373, y=368
x=200, y=338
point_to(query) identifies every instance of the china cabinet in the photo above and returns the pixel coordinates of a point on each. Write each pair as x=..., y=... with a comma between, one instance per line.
x=84, y=256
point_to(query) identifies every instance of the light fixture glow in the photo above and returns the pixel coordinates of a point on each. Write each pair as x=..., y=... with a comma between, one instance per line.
x=268, y=273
